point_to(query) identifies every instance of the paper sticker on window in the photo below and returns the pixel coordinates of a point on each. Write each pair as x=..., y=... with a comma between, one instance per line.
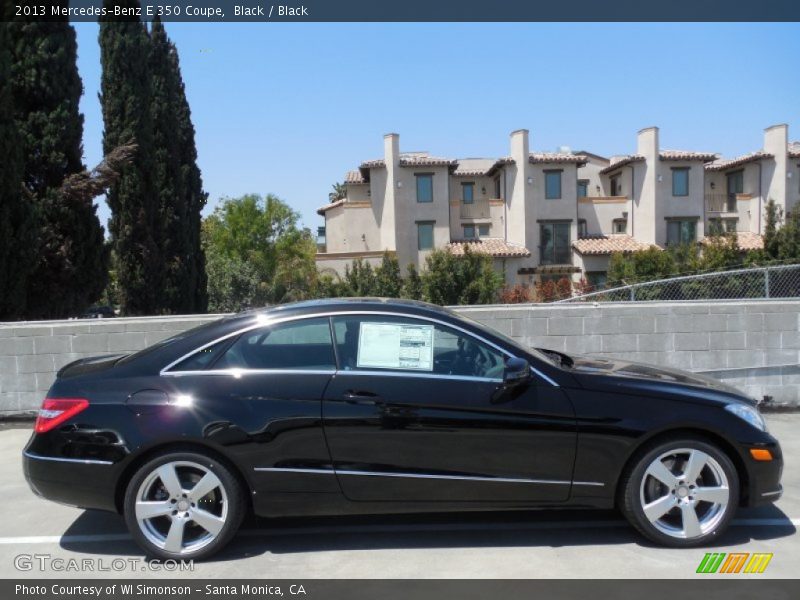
x=395, y=346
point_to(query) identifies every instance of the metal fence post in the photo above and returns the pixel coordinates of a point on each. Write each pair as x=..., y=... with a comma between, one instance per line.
x=633, y=293
x=766, y=282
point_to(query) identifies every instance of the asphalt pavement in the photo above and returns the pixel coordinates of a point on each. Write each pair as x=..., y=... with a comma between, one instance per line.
x=41, y=539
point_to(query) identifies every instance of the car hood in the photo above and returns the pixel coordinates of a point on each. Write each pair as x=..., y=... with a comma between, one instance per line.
x=639, y=377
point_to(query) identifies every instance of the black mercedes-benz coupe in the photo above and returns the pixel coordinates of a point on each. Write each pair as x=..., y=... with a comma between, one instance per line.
x=377, y=406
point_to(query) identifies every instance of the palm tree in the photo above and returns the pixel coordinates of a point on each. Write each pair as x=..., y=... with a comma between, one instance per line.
x=339, y=192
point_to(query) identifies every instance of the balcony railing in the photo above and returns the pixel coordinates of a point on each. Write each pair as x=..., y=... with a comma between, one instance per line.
x=724, y=203
x=478, y=209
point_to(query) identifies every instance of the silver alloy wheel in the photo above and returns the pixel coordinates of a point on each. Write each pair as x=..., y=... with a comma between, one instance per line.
x=181, y=507
x=684, y=493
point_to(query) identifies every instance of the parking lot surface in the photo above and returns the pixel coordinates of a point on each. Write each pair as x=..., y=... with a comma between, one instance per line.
x=552, y=544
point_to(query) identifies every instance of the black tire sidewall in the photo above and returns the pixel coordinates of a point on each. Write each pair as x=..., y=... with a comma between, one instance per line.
x=634, y=511
x=233, y=489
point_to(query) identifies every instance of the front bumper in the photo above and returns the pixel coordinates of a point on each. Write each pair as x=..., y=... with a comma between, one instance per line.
x=764, y=478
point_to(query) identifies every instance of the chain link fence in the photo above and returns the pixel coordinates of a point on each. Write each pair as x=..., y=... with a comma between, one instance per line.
x=761, y=282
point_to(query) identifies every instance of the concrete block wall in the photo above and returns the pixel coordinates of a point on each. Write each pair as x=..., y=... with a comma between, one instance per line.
x=32, y=352
x=754, y=345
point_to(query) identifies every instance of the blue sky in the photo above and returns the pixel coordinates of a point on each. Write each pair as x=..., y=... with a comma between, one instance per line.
x=287, y=109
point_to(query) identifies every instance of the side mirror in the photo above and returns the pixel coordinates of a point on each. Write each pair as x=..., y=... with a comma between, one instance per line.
x=517, y=371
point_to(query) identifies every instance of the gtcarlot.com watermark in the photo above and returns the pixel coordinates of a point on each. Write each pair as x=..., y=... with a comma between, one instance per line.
x=47, y=562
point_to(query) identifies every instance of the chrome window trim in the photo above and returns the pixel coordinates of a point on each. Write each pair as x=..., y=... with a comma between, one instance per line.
x=83, y=461
x=419, y=374
x=237, y=373
x=264, y=321
x=424, y=476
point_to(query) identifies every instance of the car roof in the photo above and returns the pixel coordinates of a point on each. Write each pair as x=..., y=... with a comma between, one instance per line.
x=352, y=304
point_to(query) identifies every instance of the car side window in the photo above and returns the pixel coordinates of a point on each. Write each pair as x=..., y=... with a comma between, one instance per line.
x=201, y=359
x=376, y=342
x=302, y=344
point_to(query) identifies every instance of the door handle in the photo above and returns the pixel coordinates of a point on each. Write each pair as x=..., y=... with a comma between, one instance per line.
x=361, y=397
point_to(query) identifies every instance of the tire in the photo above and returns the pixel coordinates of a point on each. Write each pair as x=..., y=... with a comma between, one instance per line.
x=669, y=482
x=183, y=505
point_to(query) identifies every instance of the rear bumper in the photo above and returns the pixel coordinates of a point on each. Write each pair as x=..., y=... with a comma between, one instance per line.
x=75, y=482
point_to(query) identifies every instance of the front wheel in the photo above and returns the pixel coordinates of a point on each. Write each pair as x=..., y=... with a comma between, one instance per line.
x=681, y=493
x=183, y=505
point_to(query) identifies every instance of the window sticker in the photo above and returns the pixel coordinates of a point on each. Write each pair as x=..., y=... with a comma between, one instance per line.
x=395, y=346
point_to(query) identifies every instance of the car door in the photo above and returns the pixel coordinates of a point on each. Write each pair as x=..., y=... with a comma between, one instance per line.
x=417, y=412
x=259, y=393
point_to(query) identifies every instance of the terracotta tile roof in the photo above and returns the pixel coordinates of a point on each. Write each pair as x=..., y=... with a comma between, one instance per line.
x=323, y=209
x=721, y=165
x=746, y=240
x=426, y=161
x=475, y=167
x=412, y=159
x=621, y=161
x=557, y=157
x=608, y=244
x=687, y=155
x=372, y=164
x=354, y=177
x=495, y=247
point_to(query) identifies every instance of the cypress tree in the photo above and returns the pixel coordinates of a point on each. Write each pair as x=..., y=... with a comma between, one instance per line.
x=71, y=265
x=16, y=210
x=125, y=98
x=177, y=181
x=195, y=199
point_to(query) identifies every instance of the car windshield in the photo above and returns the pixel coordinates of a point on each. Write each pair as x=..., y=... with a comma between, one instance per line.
x=545, y=357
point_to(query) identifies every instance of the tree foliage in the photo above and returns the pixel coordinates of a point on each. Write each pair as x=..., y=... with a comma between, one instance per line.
x=17, y=217
x=135, y=224
x=176, y=180
x=338, y=192
x=467, y=279
x=256, y=254
x=71, y=267
x=781, y=236
x=411, y=286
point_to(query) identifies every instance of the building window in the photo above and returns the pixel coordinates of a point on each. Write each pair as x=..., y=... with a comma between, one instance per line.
x=583, y=229
x=469, y=232
x=468, y=193
x=583, y=188
x=555, y=244
x=425, y=187
x=616, y=185
x=680, y=181
x=681, y=232
x=736, y=182
x=721, y=226
x=497, y=191
x=597, y=279
x=619, y=226
x=425, y=235
x=483, y=230
x=552, y=185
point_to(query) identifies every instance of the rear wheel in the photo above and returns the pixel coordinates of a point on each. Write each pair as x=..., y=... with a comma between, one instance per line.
x=681, y=493
x=183, y=505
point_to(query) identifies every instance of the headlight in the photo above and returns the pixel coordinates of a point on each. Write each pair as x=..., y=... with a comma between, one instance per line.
x=749, y=414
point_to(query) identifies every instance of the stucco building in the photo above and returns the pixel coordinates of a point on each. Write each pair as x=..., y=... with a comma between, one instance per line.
x=554, y=214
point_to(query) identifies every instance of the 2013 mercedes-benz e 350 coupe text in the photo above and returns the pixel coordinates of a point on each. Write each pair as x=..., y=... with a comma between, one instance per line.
x=376, y=406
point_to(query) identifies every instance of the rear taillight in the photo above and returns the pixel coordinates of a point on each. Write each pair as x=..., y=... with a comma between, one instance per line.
x=55, y=411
